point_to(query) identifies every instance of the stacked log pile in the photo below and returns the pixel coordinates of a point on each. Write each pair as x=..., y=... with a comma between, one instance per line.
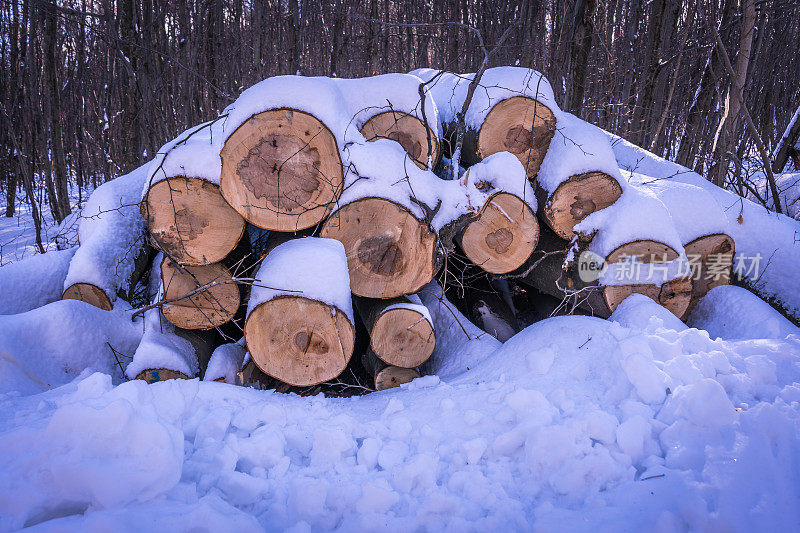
x=315, y=206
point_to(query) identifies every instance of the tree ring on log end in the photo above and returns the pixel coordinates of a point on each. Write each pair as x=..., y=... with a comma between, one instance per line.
x=213, y=307
x=402, y=337
x=520, y=125
x=389, y=251
x=716, y=253
x=578, y=197
x=191, y=221
x=645, y=250
x=673, y=295
x=393, y=376
x=407, y=130
x=298, y=340
x=281, y=170
x=503, y=235
x=91, y=294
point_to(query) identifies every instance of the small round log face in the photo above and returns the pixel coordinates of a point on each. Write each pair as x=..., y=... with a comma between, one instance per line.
x=407, y=130
x=299, y=341
x=281, y=170
x=673, y=295
x=393, y=376
x=520, y=125
x=402, y=337
x=577, y=198
x=210, y=308
x=715, y=253
x=191, y=221
x=91, y=294
x=154, y=375
x=389, y=251
x=503, y=235
x=646, y=251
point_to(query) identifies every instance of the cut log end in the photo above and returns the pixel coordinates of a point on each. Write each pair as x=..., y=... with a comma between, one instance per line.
x=299, y=341
x=191, y=221
x=520, y=125
x=213, y=307
x=577, y=198
x=154, y=375
x=645, y=251
x=407, y=130
x=91, y=294
x=712, y=256
x=503, y=236
x=281, y=170
x=393, y=376
x=673, y=295
x=402, y=337
x=389, y=251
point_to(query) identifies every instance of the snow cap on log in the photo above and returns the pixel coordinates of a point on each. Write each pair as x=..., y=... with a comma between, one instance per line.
x=226, y=362
x=501, y=172
x=191, y=154
x=162, y=349
x=112, y=237
x=310, y=267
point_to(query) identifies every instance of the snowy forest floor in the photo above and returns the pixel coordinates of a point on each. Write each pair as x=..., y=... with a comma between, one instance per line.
x=574, y=424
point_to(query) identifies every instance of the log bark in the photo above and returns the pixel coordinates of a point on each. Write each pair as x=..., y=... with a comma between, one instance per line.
x=389, y=251
x=281, y=170
x=407, y=130
x=575, y=199
x=386, y=376
x=399, y=334
x=190, y=221
x=207, y=309
x=503, y=235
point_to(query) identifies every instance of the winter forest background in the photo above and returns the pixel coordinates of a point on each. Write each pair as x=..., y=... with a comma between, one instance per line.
x=91, y=88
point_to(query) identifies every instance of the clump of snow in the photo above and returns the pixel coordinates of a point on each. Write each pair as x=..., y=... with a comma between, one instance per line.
x=767, y=240
x=449, y=90
x=112, y=233
x=731, y=312
x=191, y=154
x=310, y=267
x=161, y=347
x=500, y=172
x=34, y=281
x=694, y=212
x=637, y=311
x=226, y=361
x=51, y=345
x=576, y=148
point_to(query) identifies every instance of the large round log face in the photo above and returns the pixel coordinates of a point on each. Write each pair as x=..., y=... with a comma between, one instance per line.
x=715, y=254
x=577, y=198
x=520, y=125
x=91, y=294
x=407, y=130
x=281, y=170
x=210, y=308
x=299, y=341
x=503, y=235
x=191, y=221
x=402, y=337
x=389, y=251
x=674, y=295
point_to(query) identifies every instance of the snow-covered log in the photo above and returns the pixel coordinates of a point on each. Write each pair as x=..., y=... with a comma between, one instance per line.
x=199, y=297
x=226, y=363
x=579, y=175
x=505, y=231
x=400, y=329
x=281, y=160
x=113, y=252
x=386, y=376
x=33, y=281
x=299, y=326
x=162, y=354
x=701, y=225
x=182, y=203
x=512, y=110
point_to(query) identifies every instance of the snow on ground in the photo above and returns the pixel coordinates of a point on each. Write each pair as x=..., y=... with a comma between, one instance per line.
x=576, y=423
